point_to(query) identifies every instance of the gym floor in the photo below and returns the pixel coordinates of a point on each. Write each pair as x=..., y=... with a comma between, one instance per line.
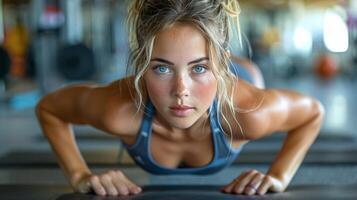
x=27, y=164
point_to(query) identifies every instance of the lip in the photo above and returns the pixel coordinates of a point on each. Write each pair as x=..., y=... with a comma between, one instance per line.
x=181, y=110
x=181, y=107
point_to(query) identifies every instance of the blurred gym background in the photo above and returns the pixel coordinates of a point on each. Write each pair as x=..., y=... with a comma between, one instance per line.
x=305, y=45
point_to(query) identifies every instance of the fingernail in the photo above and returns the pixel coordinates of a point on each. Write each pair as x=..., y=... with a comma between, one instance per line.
x=137, y=190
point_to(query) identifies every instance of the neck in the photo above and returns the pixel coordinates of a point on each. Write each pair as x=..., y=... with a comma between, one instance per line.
x=196, y=132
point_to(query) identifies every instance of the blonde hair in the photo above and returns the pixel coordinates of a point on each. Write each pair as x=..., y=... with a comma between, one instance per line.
x=216, y=19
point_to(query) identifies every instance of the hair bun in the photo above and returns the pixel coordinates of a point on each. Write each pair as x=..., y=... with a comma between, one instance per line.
x=137, y=6
x=231, y=7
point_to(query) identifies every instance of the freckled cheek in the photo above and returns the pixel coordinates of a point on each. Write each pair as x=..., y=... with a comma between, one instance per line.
x=156, y=89
x=206, y=89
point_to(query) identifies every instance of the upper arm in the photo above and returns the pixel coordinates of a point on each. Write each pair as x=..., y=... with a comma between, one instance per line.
x=69, y=103
x=280, y=111
x=85, y=103
x=290, y=110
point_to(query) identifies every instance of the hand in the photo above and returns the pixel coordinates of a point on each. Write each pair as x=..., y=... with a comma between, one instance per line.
x=113, y=183
x=253, y=182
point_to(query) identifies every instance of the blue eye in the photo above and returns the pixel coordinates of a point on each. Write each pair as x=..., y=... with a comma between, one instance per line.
x=161, y=69
x=199, y=69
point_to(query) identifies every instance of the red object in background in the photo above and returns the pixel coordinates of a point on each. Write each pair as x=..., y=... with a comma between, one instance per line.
x=52, y=17
x=326, y=67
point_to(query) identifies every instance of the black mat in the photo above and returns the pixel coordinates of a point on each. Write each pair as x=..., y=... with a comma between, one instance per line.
x=201, y=192
x=213, y=193
x=37, y=158
x=32, y=192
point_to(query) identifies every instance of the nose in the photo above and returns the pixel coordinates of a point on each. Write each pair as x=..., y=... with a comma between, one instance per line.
x=181, y=87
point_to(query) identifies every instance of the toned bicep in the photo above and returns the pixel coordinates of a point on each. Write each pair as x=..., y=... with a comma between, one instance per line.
x=109, y=108
x=281, y=111
x=77, y=104
x=298, y=109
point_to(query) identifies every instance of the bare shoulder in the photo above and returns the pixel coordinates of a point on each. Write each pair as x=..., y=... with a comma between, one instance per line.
x=110, y=107
x=260, y=112
x=119, y=114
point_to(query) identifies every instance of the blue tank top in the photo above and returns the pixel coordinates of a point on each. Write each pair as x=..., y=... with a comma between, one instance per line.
x=224, y=155
x=140, y=151
x=241, y=72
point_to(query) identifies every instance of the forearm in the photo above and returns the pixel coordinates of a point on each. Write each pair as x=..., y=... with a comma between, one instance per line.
x=294, y=149
x=62, y=141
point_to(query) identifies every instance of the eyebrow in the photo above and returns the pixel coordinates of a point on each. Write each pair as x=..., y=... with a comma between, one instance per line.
x=171, y=63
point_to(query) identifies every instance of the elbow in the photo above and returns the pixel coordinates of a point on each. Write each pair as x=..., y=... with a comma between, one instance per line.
x=40, y=107
x=40, y=113
x=317, y=116
x=319, y=110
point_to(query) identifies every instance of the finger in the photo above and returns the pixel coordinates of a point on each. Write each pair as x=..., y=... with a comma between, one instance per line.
x=240, y=186
x=97, y=186
x=109, y=187
x=133, y=188
x=252, y=186
x=121, y=187
x=120, y=182
x=228, y=188
x=264, y=186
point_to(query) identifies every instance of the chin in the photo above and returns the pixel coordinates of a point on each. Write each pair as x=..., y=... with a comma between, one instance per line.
x=181, y=123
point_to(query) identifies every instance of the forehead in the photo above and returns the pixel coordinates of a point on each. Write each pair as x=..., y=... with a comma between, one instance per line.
x=180, y=41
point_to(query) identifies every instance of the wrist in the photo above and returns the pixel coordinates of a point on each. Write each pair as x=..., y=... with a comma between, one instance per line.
x=283, y=179
x=77, y=177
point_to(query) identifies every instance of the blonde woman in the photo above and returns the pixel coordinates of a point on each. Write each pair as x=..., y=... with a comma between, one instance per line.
x=183, y=111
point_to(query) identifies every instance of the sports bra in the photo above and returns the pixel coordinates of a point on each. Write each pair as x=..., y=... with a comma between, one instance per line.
x=224, y=155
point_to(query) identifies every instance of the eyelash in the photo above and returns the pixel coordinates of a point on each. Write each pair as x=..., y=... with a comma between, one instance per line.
x=157, y=67
x=202, y=66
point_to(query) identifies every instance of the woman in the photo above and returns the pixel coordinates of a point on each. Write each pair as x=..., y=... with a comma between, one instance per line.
x=183, y=111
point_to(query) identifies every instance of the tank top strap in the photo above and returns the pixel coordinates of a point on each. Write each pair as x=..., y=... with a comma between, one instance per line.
x=145, y=128
x=224, y=149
